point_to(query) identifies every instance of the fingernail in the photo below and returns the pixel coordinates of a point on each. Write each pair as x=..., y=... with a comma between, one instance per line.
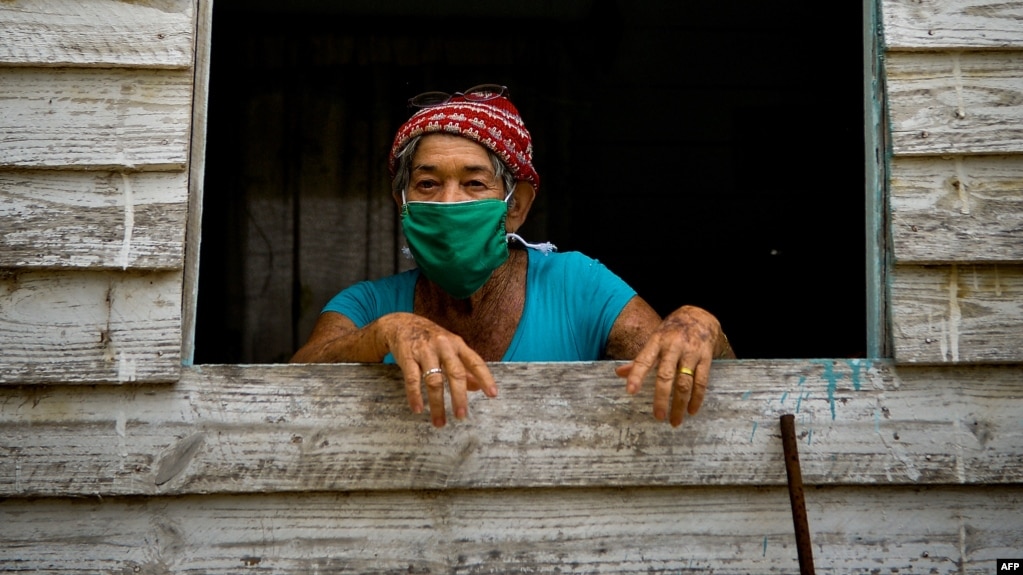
x=460, y=413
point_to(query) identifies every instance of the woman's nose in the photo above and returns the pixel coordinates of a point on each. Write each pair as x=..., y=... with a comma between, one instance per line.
x=453, y=192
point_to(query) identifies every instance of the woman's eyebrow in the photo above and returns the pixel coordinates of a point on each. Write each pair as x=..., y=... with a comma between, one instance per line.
x=472, y=168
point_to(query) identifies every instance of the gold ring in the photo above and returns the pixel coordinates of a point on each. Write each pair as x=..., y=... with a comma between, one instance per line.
x=685, y=371
x=432, y=371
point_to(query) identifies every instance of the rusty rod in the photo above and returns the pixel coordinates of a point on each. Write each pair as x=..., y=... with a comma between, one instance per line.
x=795, y=476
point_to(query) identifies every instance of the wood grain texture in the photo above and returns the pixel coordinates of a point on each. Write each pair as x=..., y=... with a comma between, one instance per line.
x=196, y=178
x=99, y=33
x=105, y=119
x=856, y=530
x=957, y=314
x=959, y=209
x=58, y=219
x=261, y=429
x=89, y=327
x=955, y=103
x=952, y=24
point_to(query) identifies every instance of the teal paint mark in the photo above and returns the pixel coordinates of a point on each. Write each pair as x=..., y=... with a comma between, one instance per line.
x=809, y=436
x=799, y=401
x=854, y=366
x=784, y=396
x=754, y=432
x=765, y=546
x=746, y=395
x=802, y=395
x=832, y=378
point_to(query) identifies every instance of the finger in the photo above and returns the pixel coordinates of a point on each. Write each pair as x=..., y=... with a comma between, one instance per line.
x=413, y=382
x=477, y=372
x=639, y=367
x=666, y=372
x=682, y=396
x=624, y=371
x=454, y=371
x=434, y=379
x=700, y=384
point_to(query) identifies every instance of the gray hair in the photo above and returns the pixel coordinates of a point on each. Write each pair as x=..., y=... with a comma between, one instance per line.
x=404, y=171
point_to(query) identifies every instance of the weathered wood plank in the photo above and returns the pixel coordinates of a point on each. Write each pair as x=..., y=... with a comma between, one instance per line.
x=53, y=219
x=347, y=427
x=102, y=33
x=89, y=327
x=110, y=119
x=940, y=530
x=957, y=314
x=955, y=103
x=952, y=24
x=957, y=209
x=196, y=179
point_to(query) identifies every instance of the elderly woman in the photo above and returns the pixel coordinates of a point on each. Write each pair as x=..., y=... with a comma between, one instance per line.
x=463, y=181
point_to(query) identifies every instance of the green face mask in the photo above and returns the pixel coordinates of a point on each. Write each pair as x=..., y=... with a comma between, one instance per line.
x=457, y=245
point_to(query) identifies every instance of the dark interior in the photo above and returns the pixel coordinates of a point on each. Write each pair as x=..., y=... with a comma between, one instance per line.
x=709, y=153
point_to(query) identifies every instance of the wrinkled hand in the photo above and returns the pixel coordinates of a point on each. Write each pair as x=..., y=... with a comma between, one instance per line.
x=435, y=357
x=683, y=342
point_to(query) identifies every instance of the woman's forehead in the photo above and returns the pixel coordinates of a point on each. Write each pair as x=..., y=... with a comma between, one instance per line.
x=434, y=147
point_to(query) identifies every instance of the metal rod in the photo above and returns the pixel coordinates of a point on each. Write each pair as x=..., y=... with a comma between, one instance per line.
x=802, y=527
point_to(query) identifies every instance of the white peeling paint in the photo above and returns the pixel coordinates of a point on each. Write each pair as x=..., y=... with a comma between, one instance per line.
x=955, y=315
x=126, y=368
x=129, y=221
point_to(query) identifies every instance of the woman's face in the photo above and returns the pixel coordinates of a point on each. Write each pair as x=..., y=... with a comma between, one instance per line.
x=449, y=168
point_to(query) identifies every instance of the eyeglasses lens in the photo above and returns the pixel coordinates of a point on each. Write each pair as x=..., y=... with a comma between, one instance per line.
x=480, y=93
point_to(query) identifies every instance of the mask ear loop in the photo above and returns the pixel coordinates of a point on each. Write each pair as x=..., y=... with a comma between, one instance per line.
x=405, y=251
x=546, y=247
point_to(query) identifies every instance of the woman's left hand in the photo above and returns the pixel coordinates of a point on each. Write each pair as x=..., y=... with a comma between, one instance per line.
x=679, y=352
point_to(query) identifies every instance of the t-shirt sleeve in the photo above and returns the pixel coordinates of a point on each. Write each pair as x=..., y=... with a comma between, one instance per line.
x=598, y=296
x=367, y=301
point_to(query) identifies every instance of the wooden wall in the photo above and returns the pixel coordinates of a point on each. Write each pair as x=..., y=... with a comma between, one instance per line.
x=954, y=74
x=94, y=150
x=913, y=465
x=322, y=469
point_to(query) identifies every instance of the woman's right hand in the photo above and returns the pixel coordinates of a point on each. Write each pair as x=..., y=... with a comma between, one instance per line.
x=433, y=357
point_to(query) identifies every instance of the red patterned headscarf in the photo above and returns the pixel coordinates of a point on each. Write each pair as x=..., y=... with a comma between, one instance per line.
x=494, y=124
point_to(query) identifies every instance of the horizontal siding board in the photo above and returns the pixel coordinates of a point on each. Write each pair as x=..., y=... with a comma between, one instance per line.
x=952, y=24
x=100, y=33
x=246, y=429
x=105, y=119
x=937, y=530
x=89, y=327
x=955, y=103
x=61, y=219
x=958, y=209
x=957, y=314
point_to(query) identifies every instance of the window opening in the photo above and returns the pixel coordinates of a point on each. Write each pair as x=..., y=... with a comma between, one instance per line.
x=694, y=149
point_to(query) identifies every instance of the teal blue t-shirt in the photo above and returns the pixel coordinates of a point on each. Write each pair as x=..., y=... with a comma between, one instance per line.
x=571, y=303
